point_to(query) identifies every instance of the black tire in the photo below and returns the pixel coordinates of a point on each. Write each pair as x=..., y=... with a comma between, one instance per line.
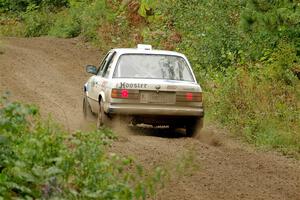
x=193, y=128
x=86, y=109
x=102, y=119
x=172, y=128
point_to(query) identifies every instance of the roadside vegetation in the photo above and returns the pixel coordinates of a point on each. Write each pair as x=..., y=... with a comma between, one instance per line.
x=246, y=53
x=38, y=160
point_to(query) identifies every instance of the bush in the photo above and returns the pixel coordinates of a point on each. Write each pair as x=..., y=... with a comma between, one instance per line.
x=281, y=62
x=37, y=23
x=40, y=161
x=66, y=25
x=23, y=5
x=210, y=38
x=83, y=18
x=261, y=110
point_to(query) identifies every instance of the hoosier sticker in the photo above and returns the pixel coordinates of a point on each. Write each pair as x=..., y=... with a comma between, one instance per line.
x=132, y=85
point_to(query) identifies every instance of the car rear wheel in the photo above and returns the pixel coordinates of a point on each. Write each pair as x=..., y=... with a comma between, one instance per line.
x=86, y=109
x=172, y=128
x=102, y=119
x=193, y=128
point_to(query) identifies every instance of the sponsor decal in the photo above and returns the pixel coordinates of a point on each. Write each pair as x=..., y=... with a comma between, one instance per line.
x=132, y=85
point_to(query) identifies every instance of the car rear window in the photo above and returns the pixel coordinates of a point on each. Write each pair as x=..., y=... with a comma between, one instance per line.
x=152, y=66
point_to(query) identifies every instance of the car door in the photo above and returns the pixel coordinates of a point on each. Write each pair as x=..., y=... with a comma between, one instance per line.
x=92, y=85
x=100, y=79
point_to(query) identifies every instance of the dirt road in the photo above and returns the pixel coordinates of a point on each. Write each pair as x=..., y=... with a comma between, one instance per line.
x=50, y=73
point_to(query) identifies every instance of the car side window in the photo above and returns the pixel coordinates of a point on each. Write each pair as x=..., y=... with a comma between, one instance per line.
x=103, y=64
x=109, y=65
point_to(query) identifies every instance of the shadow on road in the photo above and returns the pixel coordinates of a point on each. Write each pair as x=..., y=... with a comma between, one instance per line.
x=163, y=132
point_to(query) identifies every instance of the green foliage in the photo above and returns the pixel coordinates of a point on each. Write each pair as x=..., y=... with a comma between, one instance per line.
x=82, y=18
x=14, y=115
x=209, y=31
x=255, y=105
x=10, y=26
x=93, y=16
x=66, y=25
x=37, y=23
x=40, y=161
x=23, y=5
x=273, y=16
x=280, y=64
x=149, y=9
x=270, y=21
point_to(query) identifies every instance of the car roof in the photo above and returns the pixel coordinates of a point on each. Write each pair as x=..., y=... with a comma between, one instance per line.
x=143, y=51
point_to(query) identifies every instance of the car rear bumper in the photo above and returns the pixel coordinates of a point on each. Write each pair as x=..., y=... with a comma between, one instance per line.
x=167, y=110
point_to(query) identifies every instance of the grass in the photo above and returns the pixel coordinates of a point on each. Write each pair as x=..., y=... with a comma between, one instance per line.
x=263, y=112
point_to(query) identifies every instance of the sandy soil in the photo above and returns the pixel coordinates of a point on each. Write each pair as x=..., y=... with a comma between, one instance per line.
x=50, y=73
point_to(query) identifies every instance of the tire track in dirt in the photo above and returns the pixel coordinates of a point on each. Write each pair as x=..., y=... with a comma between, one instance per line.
x=49, y=72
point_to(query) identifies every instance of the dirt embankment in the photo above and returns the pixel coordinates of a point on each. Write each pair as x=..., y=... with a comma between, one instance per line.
x=50, y=73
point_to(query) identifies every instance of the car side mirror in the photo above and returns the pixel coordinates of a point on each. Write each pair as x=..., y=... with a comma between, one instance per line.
x=91, y=69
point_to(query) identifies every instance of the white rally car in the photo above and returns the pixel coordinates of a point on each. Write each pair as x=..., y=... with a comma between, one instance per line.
x=145, y=86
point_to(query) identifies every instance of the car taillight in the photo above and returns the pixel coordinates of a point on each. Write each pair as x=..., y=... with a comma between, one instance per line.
x=114, y=93
x=197, y=96
x=124, y=94
x=189, y=96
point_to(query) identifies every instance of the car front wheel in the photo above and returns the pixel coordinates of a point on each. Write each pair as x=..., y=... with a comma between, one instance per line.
x=86, y=109
x=102, y=117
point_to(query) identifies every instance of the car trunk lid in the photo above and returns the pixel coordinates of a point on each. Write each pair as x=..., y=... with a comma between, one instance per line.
x=155, y=91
